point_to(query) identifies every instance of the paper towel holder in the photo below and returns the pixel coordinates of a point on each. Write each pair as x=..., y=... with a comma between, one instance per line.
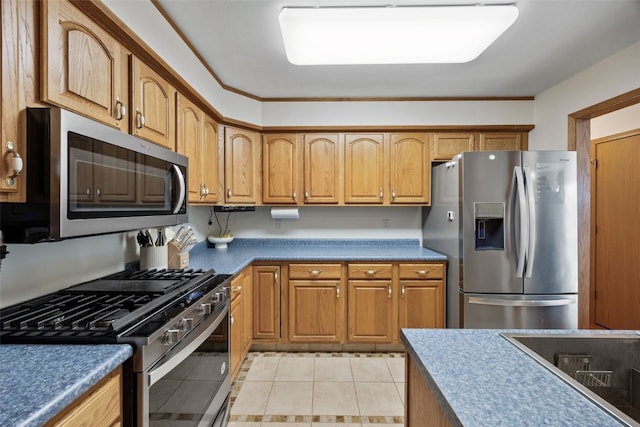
x=285, y=213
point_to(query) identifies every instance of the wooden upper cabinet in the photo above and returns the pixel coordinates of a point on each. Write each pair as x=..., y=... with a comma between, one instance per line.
x=364, y=168
x=410, y=168
x=83, y=68
x=447, y=145
x=322, y=169
x=197, y=138
x=153, y=105
x=242, y=169
x=281, y=168
x=500, y=141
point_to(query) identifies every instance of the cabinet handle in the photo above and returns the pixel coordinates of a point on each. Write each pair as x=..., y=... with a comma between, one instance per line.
x=228, y=192
x=206, y=190
x=422, y=272
x=231, y=319
x=139, y=119
x=337, y=291
x=402, y=291
x=121, y=110
x=306, y=195
x=98, y=192
x=16, y=163
x=381, y=194
x=370, y=273
x=393, y=194
x=294, y=195
x=236, y=289
x=275, y=276
x=314, y=273
x=88, y=191
x=202, y=191
x=389, y=290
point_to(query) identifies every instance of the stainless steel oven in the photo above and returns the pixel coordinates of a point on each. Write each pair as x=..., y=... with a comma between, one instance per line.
x=177, y=322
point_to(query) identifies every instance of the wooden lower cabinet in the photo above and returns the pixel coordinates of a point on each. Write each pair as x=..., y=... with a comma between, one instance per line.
x=316, y=303
x=100, y=406
x=421, y=407
x=241, y=319
x=422, y=295
x=236, y=342
x=266, y=303
x=372, y=314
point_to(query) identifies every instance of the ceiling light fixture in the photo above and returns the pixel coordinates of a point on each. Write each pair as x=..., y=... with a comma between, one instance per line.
x=392, y=35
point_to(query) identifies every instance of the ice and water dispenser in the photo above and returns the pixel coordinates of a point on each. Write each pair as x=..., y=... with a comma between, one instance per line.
x=489, y=226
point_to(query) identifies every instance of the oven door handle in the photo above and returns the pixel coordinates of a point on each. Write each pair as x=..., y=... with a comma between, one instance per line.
x=156, y=374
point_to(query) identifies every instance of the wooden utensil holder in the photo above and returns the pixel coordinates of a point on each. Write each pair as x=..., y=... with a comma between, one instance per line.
x=177, y=259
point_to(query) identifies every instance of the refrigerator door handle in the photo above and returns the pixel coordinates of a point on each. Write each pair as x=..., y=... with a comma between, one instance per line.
x=523, y=242
x=521, y=303
x=532, y=219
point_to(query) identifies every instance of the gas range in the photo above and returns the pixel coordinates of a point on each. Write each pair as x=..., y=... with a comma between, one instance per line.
x=171, y=318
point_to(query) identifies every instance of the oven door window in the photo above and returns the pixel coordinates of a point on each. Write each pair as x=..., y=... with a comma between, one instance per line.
x=194, y=393
x=106, y=180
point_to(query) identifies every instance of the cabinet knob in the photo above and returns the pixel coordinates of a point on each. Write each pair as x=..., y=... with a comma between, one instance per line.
x=228, y=192
x=389, y=290
x=422, y=272
x=275, y=276
x=294, y=195
x=402, y=291
x=381, y=194
x=393, y=194
x=314, y=273
x=121, y=110
x=98, y=192
x=306, y=195
x=337, y=291
x=370, y=273
x=16, y=163
x=139, y=120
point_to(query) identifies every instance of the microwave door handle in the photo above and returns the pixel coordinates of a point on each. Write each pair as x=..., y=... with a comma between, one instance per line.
x=528, y=178
x=181, y=188
x=524, y=219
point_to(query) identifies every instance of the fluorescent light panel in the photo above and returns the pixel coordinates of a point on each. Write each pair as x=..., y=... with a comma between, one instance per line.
x=392, y=35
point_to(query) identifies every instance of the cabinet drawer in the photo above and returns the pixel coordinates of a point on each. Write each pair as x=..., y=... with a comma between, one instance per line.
x=421, y=271
x=369, y=271
x=314, y=271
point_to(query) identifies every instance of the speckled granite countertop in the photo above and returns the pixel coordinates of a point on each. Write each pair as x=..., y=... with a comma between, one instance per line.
x=38, y=381
x=242, y=252
x=481, y=379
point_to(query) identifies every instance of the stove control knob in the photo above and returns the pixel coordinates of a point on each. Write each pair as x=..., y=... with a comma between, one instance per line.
x=218, y=297
x=171, y=336
x=186, y=324
x=204, y=309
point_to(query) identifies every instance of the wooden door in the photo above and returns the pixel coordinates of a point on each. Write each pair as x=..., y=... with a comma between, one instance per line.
x=447, y=145
x=83, y=68
x=410, y=168
x=322, y=169
x=266, y=303
x=498, y=141
x=364, y=168
x=316, y=311
x=280, y=168
x=615, y=205
x=242, y=166
x=189, y=143
x=235, y=337
x=370, y=313
x=210, y=168
x=247, y=301
x=422, y=304
x=153, y=102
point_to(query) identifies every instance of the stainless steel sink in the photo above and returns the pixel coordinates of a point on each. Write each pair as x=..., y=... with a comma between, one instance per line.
x=604, y=367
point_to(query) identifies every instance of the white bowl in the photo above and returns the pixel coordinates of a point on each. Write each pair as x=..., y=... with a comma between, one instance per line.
x=220, y=242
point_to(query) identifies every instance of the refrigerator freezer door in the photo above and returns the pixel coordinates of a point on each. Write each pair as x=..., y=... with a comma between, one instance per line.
x=552, y=252
x=490, y=220
x=520, y=311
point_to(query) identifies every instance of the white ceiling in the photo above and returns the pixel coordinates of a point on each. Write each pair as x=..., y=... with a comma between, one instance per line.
x=550, y=41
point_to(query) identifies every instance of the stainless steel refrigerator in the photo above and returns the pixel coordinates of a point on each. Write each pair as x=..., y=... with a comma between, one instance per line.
x=507, y=221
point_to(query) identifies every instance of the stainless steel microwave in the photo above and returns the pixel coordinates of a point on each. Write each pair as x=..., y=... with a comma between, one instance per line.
x=85, y=178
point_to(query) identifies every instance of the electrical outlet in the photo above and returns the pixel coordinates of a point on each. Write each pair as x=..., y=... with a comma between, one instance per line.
x=386, y=223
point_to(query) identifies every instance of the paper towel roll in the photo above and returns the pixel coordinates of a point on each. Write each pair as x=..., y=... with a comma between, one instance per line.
x=285, y=213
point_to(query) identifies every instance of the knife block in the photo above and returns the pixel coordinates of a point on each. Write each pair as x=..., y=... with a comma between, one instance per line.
x=177, y=259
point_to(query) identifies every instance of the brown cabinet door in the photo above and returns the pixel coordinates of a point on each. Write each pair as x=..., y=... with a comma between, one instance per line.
x=280, y=169
x=266, y=303
x=364, y=168
x=372, y=311
x=153, y=105
x=247, y=301
x=447, y=145
x=422, y=304
x=322, y=171
x=242, y=166
x=83, y=68
x=235, y=337
x=189, y=143
x=316, y=311
x=498, y=141
x=209, y=159
x=410, y=168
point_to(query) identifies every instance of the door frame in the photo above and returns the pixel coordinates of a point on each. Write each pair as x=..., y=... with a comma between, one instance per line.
x=579, y=140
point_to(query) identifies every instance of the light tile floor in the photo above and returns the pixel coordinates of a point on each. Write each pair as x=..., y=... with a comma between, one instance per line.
x=275, y=389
